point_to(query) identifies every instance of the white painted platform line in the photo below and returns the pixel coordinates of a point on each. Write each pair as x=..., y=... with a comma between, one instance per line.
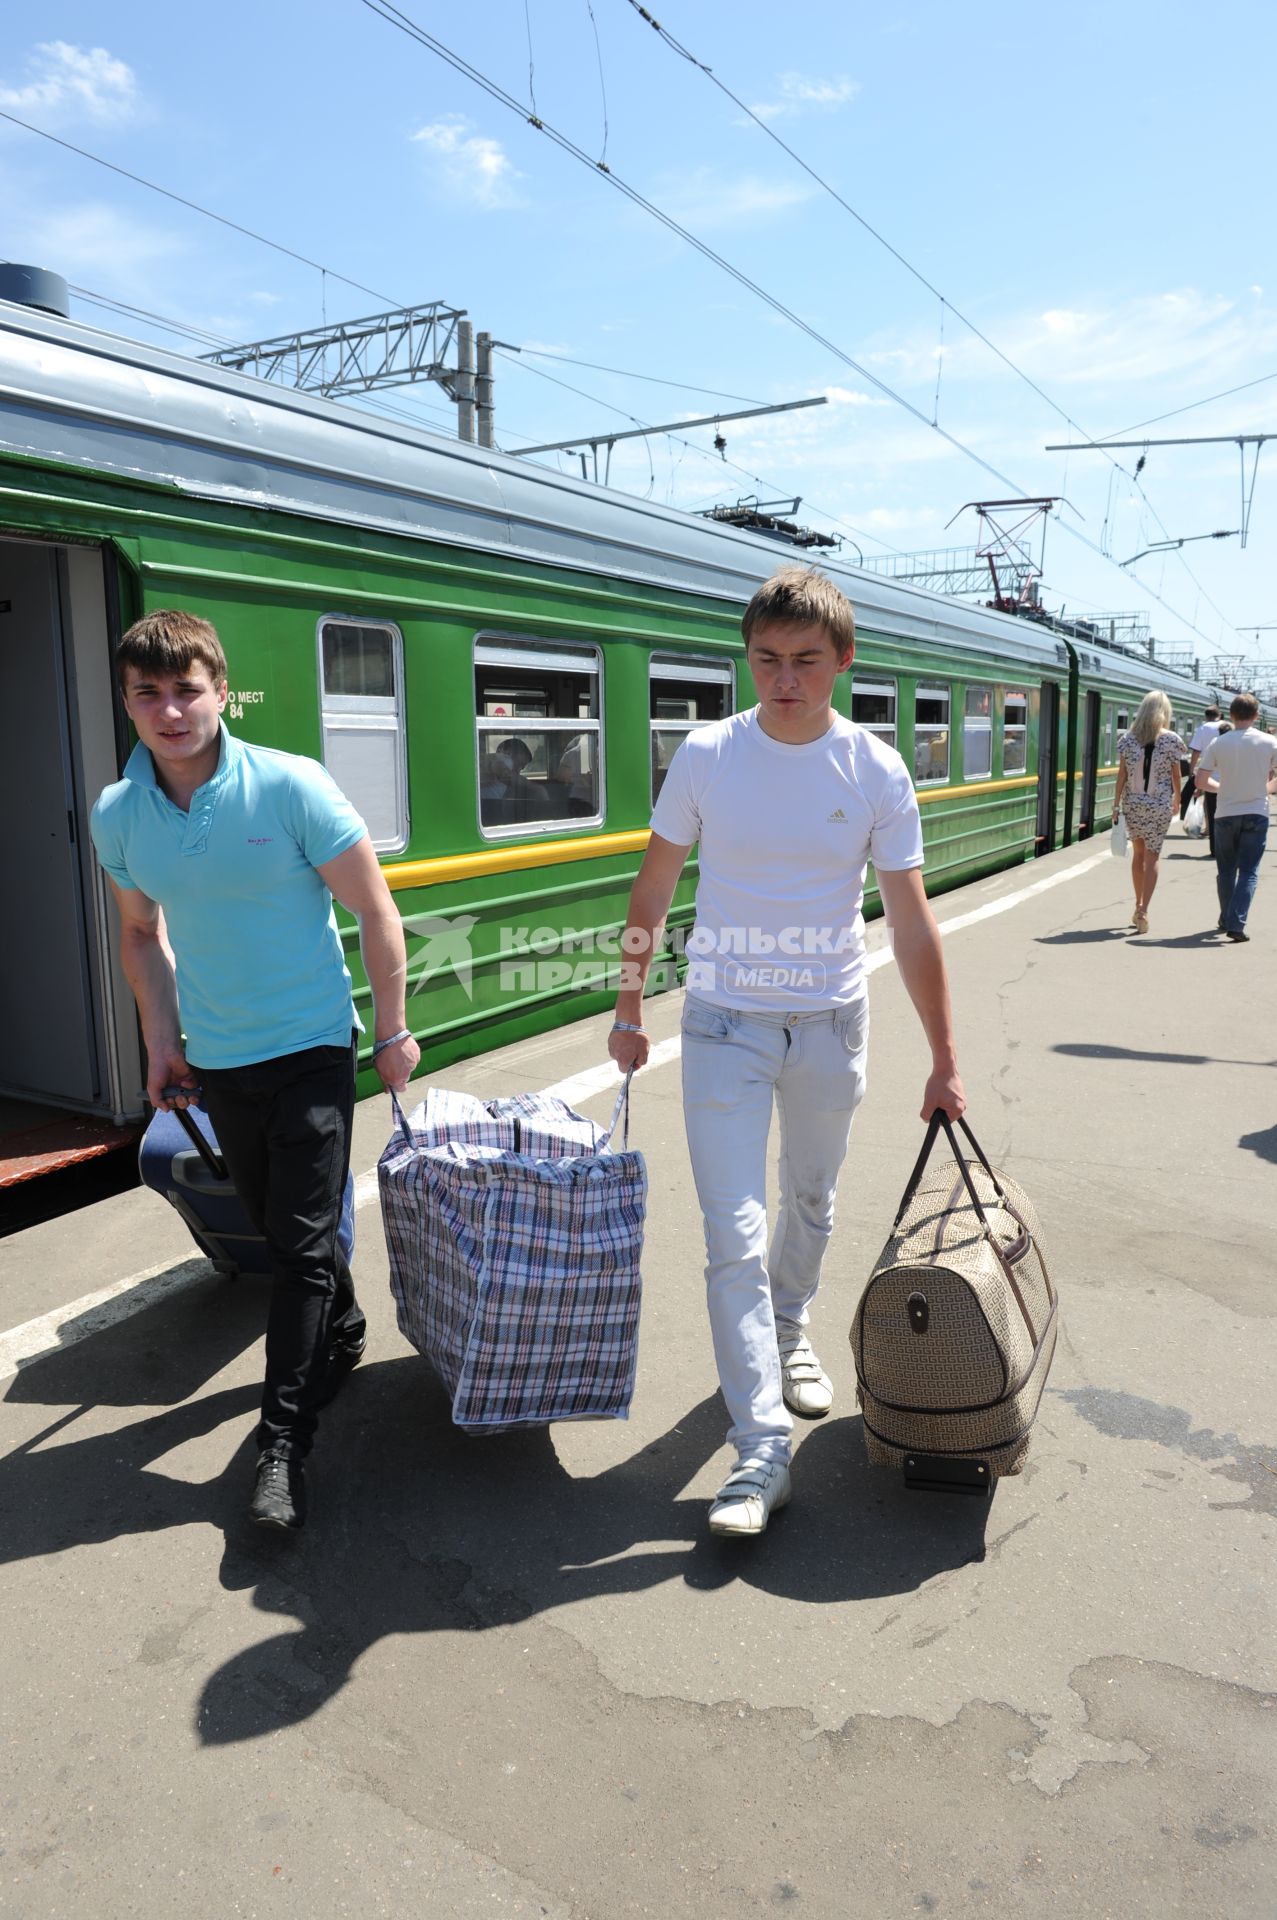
x=94, y=1312
x=54, y=1332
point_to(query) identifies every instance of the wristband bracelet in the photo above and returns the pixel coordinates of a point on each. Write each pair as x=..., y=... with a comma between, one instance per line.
x=393, y=1041
x=627, y=1026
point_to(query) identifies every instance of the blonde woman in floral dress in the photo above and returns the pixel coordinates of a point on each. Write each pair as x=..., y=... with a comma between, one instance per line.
x=1148, y=777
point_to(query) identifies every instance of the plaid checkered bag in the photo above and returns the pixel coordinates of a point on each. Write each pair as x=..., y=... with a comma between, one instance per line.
x=514, y=1233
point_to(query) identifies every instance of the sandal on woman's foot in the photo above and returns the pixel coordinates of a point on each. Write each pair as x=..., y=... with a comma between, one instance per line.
x=1141, y=924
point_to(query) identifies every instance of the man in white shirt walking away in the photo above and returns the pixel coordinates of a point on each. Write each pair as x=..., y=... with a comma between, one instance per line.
x=788, y=803
x=1237, y=767
x=1208, y=731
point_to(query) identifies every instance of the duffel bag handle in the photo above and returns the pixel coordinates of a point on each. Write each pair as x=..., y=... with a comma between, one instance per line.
x=401, y=1119
x=938, y=1120
x=622, y=1105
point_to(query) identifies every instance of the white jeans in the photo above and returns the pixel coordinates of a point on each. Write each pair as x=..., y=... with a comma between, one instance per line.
x=734, y=1065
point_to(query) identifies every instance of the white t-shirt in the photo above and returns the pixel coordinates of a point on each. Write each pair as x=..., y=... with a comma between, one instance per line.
x=1241, y=761
x=785, y=834
x=1208, y=731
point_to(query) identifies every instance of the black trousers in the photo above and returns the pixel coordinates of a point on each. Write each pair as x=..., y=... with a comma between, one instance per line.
x=1212, y=801
x=284, y=1129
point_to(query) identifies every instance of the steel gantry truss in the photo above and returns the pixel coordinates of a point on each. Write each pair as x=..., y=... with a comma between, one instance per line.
x=1239, y=440
x=431, y=342
x=953, y=570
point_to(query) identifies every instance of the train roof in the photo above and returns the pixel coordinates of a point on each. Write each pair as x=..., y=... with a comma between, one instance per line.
x=85, y=398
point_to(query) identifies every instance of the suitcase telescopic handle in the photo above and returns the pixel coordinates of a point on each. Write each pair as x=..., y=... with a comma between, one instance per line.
x=940, y=1119
x=213, y=1161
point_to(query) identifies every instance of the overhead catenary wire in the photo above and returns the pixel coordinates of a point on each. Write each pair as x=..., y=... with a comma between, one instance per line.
x=598, y=50
x=195, y=207
x=703, y=67
x=394, y=16
x=653, y=379
x=182, y=328
x=691, y=446
x=1158, y=418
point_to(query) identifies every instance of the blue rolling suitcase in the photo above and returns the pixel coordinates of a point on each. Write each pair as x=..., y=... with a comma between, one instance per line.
x=179, y=1159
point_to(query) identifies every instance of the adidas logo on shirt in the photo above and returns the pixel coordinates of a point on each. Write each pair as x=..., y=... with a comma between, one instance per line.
x=837, y=815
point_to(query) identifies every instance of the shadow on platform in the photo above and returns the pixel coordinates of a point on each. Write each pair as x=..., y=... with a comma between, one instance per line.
x=1264, y=1143
x=421, y=1529
x=415, y=1526
x=1095, y=1050
x=1085, y=936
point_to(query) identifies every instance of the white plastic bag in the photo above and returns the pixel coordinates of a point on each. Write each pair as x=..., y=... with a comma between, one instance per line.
x=1195, y=818
x=1119, y=839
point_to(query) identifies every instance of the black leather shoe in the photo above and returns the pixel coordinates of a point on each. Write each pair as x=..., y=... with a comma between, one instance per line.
x=1229, y=934
x=279, y=1496
x=343, y=1357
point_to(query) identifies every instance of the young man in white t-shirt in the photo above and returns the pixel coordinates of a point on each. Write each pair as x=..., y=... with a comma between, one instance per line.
x=1208, y=731
x=788, y=803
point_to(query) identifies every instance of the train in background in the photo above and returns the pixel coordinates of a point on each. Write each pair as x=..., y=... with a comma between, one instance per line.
x=495, y=662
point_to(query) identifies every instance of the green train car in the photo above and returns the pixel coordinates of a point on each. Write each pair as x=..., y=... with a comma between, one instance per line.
x=495, y=662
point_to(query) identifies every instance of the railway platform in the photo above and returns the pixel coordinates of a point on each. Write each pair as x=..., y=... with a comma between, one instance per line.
x=517, y=1677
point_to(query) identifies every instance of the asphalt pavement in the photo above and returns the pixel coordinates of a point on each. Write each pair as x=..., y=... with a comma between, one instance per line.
x=516, y=1677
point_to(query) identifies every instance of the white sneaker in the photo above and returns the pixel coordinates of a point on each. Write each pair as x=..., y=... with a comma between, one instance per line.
x=751, y=1493
x=808, y=1391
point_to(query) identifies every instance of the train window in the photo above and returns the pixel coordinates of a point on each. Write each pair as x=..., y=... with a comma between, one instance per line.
x=1015, y=730
x=684, y=694
x=1123, y=721
x=537, y=737
x=930, y=736
x=977, y=734
x=873, y=705
x=362, y=724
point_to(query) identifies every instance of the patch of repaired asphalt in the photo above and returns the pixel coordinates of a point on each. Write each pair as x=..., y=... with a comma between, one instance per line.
x=1125, y=1416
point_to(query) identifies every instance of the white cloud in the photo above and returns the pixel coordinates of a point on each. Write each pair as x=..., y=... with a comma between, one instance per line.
x=75, y=80
x=852, y=397
x=703, y=198
x=799, y=95
x=96, y=243
x=472, y=164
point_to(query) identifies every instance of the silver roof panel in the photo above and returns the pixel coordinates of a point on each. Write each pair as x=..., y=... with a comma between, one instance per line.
x=80, y=397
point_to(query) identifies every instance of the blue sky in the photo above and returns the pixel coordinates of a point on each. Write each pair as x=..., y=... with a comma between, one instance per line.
x=1089, y=185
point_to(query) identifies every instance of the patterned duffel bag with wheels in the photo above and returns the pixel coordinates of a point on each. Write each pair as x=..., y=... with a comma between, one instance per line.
x=955, y=1332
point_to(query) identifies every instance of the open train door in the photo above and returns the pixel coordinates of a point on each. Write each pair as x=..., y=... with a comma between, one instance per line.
x=1048, y=762
x=69, y=1039
x=1090, y=766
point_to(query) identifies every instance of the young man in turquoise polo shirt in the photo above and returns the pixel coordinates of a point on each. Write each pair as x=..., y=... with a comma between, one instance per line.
x=242, y=851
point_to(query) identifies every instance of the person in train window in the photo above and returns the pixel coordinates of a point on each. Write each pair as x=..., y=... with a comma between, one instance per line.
x=239, y=851
x=788, y=803
x=1238, y=768
x=508, y=797
x=1148, y=778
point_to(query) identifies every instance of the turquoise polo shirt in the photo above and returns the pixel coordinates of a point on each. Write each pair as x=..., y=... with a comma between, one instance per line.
x=260, y=968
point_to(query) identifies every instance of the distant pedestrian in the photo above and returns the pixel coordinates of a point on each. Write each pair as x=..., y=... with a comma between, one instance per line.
x=1238, y=768
x=1148, y=783
x=1210, y=729
x=1210, y=800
